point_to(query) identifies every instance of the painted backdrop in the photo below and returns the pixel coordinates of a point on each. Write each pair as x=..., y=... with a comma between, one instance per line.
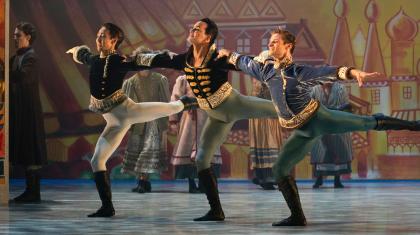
x=372, y=35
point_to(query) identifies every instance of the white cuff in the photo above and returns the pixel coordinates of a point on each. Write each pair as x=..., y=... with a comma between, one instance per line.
x=343, y=72
x=76, y=53
x=233, y=58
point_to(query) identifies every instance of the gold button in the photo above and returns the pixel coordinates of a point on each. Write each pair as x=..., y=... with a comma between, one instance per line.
x=199, y=96
x=102, y=88
x=188, y=70
x=193, y=84
x=203, y=70
x=208, y=94
x=196, y=91
x=206, y=89
x=203, y=77
x=103, y=82
x=205, y=83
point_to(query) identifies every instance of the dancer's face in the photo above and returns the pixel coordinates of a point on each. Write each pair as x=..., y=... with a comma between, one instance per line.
x=21, y=39
x=198, y=34
x=278, y=48
x=104, y=42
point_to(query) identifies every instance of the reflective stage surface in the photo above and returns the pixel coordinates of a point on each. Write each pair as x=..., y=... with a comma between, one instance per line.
x=361, y=208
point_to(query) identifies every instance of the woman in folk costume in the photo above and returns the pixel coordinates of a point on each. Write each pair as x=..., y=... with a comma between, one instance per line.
x=332, y=154
x=146, y=148
x=190, y=127
x=265, y=139
x=106, y=73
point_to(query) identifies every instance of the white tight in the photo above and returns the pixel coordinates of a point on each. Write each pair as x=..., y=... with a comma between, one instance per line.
x=119, y=121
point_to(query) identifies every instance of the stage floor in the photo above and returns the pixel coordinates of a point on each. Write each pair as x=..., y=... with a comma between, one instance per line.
x=363, y=207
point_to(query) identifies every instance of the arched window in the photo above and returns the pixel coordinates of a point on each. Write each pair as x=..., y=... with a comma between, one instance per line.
x=407, y=92
x=243, y=43
x=265, y=39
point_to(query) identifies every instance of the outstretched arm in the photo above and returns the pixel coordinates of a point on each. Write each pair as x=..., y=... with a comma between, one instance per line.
x=328, y=73
x=81, y=54
x=244, y=63
x=158, y=59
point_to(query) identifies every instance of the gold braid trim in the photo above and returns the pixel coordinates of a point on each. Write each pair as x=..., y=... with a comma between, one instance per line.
x=108, y=103
x=343, y=73
x=302, y=117
x=233, y=58
x=217, y=98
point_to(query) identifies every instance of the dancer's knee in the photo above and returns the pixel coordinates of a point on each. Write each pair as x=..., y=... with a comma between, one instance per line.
x=202, y=163
x=279, y=172
x=97, y=164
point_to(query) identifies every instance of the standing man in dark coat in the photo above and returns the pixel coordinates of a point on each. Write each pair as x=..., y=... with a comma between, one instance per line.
x=27, y=137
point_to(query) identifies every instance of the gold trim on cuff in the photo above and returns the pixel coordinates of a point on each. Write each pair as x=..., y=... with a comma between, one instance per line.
x=343, y=73
x=145, y=59
x=233, y=58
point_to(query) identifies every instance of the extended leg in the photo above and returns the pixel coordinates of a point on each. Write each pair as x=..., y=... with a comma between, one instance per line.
x=149, y=111
x=333, y=122
x=253, y=107
x=244, y=107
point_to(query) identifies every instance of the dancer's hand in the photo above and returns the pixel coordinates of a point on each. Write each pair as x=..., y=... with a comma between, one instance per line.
x=223, y=53
x=361, y=76
x=71, y=50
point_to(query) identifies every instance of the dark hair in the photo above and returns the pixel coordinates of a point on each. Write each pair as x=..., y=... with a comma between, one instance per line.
x=115, y=32
x=211, y=29
x=287, y=37
x=28, y=29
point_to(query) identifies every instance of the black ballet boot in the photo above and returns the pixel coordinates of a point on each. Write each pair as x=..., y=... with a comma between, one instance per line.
x=192, y=187
x=32, y=191
x=390, y=123
x=318, y=182
x=337, y=182
x=103, y=185
x=209, y=183
x=287, y=185
x=190, y=103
